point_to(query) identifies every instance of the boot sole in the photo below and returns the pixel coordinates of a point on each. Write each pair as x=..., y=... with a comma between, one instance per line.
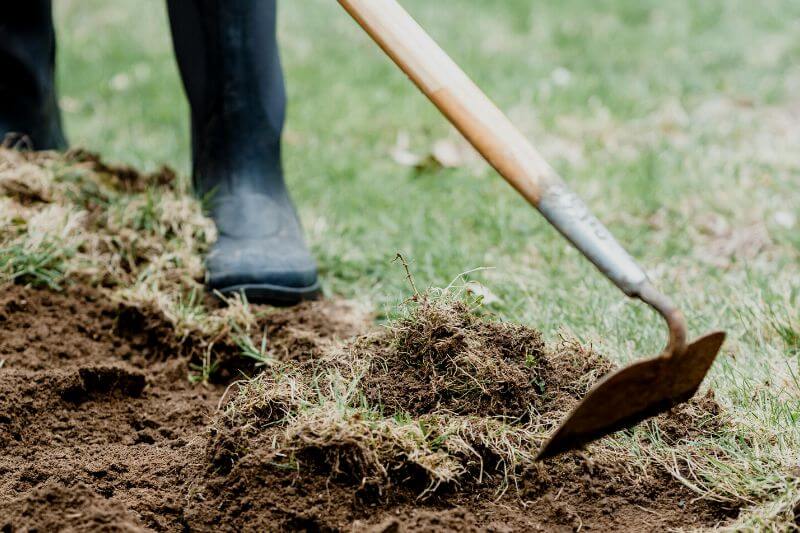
x=276, y=295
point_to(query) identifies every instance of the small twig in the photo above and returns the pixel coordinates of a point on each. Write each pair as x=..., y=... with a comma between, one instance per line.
x=409, y=277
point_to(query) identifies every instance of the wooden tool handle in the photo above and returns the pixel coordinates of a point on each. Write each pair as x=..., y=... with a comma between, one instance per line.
x=456, y=96
x=503, y=146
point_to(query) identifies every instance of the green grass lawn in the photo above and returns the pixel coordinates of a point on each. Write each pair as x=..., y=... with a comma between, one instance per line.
x=678, y=122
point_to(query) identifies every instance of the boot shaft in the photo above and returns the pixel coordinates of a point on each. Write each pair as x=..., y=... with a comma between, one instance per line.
x=227, y=54
x=28, y=103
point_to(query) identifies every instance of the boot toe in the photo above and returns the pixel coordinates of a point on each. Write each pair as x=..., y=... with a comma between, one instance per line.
x=266, y=271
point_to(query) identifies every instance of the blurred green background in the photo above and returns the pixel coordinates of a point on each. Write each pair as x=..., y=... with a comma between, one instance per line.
x=672, y=119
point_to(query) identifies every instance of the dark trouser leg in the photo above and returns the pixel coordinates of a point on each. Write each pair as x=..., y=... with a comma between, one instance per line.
x=28, y=105
x=228, y=58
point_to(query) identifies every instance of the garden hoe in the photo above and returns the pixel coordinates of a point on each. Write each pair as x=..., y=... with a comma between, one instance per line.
x=632, y=394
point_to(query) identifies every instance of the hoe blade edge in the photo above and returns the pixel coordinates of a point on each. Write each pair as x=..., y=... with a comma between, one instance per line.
x=633, y=394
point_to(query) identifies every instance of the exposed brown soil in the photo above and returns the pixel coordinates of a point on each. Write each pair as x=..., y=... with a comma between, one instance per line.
x=445, y=358
x=100, y=429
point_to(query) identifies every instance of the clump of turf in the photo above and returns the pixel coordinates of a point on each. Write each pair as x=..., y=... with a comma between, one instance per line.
x=441, y=356
x=139, y=238
x=315, y=422
x=440, y=397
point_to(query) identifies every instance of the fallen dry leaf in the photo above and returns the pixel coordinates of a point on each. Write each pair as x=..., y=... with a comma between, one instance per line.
x=447, y=152
x=401, y=151
x=785, y=219
x=742, y=243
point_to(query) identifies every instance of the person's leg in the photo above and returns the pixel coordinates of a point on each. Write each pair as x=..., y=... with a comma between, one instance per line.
x=28, y=105
x=227, y=54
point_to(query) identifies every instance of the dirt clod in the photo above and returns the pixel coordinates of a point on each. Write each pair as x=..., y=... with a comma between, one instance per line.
x=443, y=358
x=72, y=508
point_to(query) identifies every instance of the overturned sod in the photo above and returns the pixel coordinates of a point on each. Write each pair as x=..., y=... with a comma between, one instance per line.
x=130, y=398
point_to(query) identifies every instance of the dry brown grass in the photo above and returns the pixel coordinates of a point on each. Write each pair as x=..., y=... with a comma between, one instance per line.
x=137, y=237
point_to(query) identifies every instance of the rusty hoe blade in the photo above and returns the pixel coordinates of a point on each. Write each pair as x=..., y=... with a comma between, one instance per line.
x=637, y=392
x=642, y=389
x=632, y=394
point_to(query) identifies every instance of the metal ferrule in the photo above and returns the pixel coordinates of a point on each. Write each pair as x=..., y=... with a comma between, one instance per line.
x=567, y=213
x=572, y=218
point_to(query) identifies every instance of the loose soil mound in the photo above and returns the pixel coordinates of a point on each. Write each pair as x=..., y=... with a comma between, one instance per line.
x=101, y=429
x=445, y=358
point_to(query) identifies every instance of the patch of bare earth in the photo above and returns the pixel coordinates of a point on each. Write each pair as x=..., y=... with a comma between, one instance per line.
x=101, y=428
x=309, y=418
x=99, y=425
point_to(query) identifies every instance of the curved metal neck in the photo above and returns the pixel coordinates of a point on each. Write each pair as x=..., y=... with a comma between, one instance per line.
x=572, y=218
x=672, y=315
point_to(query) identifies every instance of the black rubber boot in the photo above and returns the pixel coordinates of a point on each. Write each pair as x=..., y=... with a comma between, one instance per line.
x=29, y=114
x=228, y=58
